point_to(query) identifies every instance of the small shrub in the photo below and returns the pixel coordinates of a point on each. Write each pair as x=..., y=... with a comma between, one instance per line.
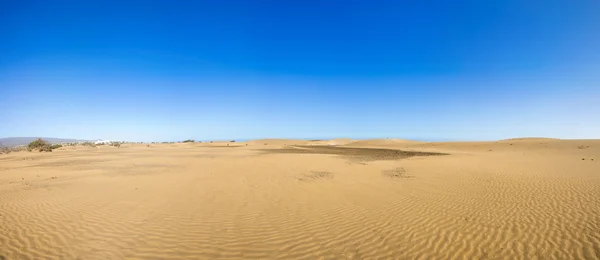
x=40, y=145
x=189, y=141
x=37, y=145
x=55, y=146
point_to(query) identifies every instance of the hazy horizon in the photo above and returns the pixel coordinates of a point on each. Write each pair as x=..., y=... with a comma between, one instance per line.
x=246, y=70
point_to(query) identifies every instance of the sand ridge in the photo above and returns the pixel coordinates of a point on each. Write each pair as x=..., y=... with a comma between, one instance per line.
x=511, y=199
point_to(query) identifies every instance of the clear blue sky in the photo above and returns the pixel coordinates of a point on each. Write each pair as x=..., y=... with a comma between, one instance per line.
x=170, y=70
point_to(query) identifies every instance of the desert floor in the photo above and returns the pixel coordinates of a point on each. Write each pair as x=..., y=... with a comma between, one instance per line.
x=286, y=199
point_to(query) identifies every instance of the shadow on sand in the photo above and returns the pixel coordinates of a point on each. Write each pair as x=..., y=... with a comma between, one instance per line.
x=362, y=154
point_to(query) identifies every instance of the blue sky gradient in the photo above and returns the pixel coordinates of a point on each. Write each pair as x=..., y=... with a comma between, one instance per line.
x=172, y=70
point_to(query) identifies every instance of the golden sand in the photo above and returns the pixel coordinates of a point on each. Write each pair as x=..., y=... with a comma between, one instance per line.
x=291, y=199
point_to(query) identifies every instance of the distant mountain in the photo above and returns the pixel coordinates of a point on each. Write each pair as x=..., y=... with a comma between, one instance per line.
x=16, y=141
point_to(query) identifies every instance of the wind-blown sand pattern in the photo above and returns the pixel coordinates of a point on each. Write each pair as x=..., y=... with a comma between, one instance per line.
x=290, y=199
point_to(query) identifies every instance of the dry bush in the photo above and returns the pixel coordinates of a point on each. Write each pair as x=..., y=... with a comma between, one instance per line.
x=39, y=145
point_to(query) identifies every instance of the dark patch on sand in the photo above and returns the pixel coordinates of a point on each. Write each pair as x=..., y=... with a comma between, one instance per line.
x=223, y=146
x=68, y=163
x=360, y=154
x=397, y=173
x=314, y=175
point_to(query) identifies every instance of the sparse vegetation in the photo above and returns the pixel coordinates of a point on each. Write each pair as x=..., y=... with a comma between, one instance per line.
x=115, y=144
x=189, y=141
x=90, y=144
x=7, y=150
x=55, y=146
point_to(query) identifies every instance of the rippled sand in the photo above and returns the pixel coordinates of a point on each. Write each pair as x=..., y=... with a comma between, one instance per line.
x=286, y=199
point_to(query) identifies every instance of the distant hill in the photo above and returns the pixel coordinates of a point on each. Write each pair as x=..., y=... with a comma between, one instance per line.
x=16, y=141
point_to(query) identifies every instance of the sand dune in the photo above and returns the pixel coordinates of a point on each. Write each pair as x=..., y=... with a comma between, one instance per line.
x=381, y=143
x=529, y=139
x=513, y=199
x=278, y=142
x=341, y=141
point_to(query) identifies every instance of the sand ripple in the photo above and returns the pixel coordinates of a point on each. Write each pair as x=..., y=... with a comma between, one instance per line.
x=193, y=202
